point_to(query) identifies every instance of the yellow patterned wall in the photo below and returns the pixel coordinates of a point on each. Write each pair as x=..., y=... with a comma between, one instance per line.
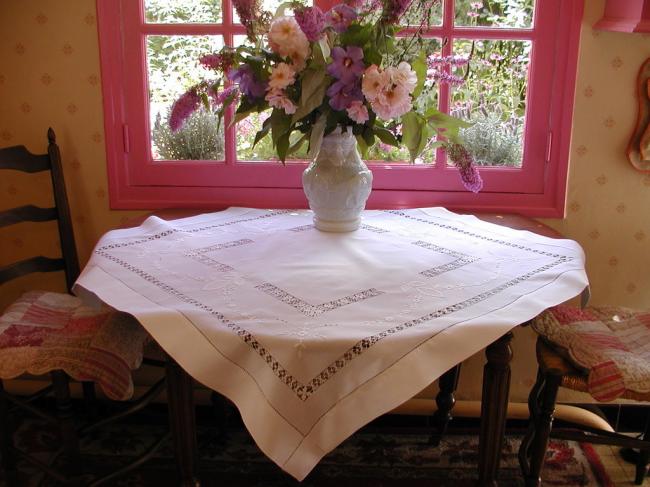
x=50, y=76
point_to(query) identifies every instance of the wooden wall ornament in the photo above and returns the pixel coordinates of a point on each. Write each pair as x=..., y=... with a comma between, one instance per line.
x=638, y=151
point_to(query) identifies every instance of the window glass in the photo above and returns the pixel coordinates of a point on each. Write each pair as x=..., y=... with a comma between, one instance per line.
x=173, y=67
x=495, y=13
x=493, y=98
x=423, y=12
x=270, y=6
x=182, y=11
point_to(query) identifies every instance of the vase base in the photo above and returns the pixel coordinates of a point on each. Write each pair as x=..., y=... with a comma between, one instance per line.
x=336, y=226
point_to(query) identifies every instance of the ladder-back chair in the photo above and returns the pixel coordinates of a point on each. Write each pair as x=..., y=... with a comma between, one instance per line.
x=56, y=334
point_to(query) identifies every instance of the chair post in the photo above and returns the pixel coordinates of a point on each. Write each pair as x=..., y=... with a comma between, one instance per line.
x=6, y=439
x=65, y=416
x=445, y=400
x=542, y=424
x=644, y=456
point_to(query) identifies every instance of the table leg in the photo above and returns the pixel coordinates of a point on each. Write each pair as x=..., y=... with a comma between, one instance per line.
x=182, y=421
x=494, y=409
x=445, y=400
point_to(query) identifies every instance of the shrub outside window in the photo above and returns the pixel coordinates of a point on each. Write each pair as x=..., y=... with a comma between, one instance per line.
x=518, y=94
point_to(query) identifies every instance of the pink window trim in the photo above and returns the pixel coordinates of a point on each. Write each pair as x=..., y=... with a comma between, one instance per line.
x=538, y=189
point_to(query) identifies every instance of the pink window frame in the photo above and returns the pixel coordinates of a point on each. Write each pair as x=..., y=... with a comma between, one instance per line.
x=137, y=182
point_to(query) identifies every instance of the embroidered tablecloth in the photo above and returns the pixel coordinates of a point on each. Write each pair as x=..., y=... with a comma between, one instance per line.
x=314, y=334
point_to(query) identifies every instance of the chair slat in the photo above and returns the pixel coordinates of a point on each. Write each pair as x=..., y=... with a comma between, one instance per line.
x=34, y=264
x=20, y=159
x=28, y=213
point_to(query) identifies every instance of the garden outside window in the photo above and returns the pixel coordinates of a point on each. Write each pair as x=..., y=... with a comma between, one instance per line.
x=518, y=94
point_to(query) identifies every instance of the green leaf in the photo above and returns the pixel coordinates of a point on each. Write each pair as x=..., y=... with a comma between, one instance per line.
x=279, y=12
x=280, y=124
x=297, y=145
x=386, y=136
x=324, y=48
x=239, y=116
x=316, y=136
x=363, y=147
x=357, y=35
x=441, y=120
x=314, y=85
x=419, y=65
x=368, y=136
x=414, y=133
x=371, y=55
x=266, y=127
x=282, y=146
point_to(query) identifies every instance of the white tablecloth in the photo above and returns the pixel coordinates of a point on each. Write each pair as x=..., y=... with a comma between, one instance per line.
x=314, y=334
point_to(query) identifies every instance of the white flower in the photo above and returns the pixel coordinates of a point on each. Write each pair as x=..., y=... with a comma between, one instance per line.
x=282, y=76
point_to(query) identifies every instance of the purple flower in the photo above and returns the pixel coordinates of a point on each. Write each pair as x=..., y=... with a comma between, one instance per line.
x=347, y=64
x=247, y=10
x=182, y=108
x=311, y=21
x=219, y=97
x=248, y=84
x=218, y=62
x=442, y=77
x=433, y=61
x=343, y=94
x=340, y=17
x=464, y=162
x=394, y=9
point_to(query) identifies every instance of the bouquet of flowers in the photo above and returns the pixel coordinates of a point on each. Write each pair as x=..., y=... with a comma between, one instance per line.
x=346, y=68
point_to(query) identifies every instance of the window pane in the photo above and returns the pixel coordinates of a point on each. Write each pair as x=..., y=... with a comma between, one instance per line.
x=495, y=13
x=423, y=12
x=173, y=67
x=493, y=98
x=270, y=6
x=182, y=11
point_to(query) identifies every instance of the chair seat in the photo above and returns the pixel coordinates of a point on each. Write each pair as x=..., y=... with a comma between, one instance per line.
x=609, y=346
x=45, y=331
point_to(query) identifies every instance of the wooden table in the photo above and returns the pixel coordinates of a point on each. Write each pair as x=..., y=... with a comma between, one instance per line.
x=496, y=381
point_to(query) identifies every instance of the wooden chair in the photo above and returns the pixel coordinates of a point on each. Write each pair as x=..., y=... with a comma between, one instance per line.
x=603, y=351
x=55, y=333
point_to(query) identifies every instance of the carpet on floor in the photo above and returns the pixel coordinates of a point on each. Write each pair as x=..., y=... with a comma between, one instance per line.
x=370, y=458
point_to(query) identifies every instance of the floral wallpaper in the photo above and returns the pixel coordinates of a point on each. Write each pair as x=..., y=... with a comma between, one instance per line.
x=50, y=76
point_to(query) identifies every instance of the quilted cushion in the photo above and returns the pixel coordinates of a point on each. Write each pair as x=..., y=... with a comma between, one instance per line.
x=611, y=343
x=44, y=331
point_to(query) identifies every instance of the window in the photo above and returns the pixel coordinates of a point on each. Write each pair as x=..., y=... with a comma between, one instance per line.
x=519, y=95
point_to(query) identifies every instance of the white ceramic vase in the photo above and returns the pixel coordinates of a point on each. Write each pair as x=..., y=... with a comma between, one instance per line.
x=337, y=183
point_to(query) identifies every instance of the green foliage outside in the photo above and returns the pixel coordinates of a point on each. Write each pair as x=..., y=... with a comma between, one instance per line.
x=200, y=138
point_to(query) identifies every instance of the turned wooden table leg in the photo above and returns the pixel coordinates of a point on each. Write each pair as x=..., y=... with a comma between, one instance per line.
x=494, y=409
x=183, y=423
x=445, y=401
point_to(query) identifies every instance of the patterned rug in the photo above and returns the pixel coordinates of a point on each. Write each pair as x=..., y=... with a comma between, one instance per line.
x=370, y=458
